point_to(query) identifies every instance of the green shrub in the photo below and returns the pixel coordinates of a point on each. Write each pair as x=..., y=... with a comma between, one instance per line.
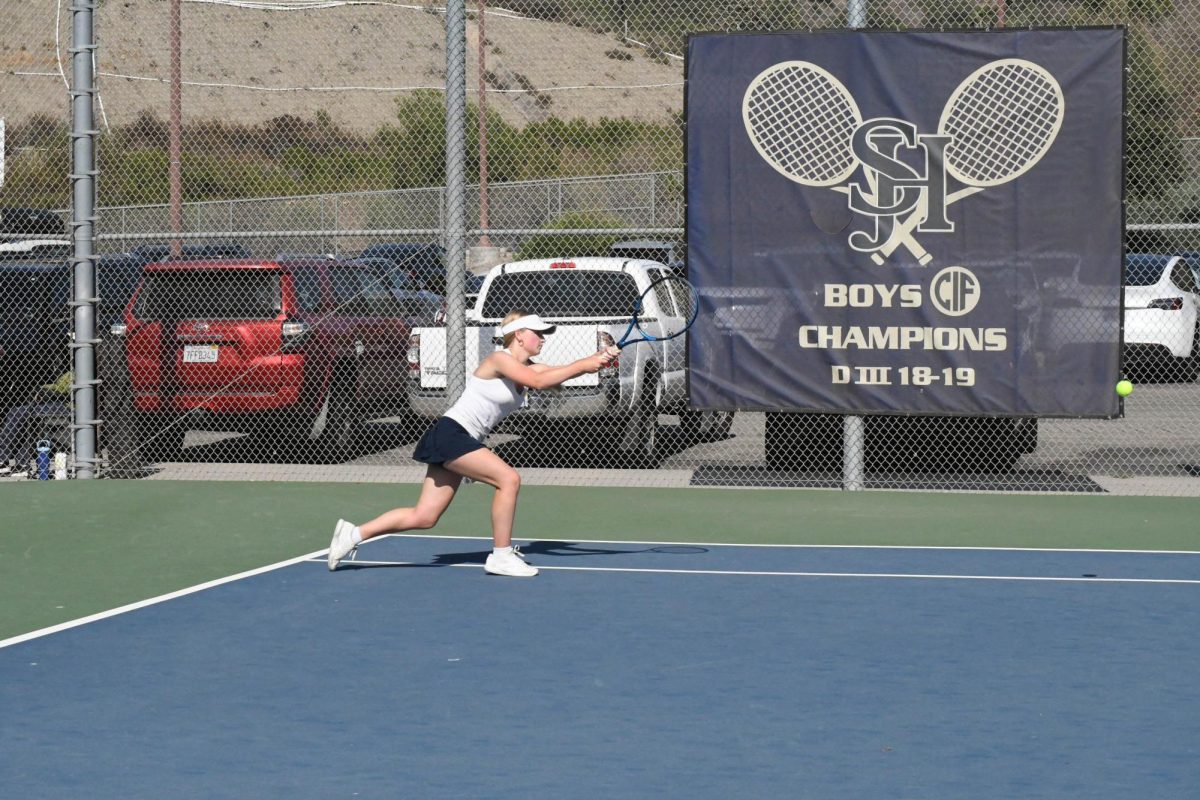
x=550, y=245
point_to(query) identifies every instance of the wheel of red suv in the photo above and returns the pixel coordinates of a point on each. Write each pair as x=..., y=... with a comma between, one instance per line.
x=342, y=422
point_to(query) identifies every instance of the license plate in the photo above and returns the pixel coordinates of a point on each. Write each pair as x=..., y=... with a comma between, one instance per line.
x=200, y=354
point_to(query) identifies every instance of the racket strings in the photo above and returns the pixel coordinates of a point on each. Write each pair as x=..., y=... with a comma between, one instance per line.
x=680, y=304
x=803, y=122
x=1001, y=124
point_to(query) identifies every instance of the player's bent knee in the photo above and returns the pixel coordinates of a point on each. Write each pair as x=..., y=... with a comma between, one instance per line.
x=424, y=520
x=510, y=481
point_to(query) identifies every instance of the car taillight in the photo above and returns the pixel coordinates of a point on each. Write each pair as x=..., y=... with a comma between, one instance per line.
x=604, y=339
x=414, y=353
x=293, y=332
x=1167, y=304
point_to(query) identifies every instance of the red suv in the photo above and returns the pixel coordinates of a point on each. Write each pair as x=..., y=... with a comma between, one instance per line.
x=303, y=349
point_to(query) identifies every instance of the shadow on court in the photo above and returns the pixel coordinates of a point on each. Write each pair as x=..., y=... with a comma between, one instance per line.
x=544, y=550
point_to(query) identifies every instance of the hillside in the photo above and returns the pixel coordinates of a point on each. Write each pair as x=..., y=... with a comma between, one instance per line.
x=252, y=65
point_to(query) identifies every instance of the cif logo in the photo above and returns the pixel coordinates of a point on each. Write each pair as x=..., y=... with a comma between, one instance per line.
x=954, y=291
x=996, y=125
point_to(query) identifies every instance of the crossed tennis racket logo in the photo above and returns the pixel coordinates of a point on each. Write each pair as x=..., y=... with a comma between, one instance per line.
x=996, y=125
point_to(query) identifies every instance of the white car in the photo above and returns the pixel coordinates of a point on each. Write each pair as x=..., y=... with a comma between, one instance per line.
x=36, y=249
x=1162, y=314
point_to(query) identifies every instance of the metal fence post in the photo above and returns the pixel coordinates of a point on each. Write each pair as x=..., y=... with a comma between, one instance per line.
x=853, y=437
x=83, y=218
x=337, y=225
x=653, y=199
x=456, y=196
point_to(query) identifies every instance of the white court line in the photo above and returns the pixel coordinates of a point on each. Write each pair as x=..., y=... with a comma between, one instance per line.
x=801, y=546
x=321, y=553
x=24, y=637
x=777, y=574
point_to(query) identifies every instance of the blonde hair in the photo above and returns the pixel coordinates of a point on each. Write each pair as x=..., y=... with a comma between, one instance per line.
x=516, y=313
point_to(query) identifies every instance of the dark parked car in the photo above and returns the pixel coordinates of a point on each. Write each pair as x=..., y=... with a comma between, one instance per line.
x=191, y=252
x=35, y=325
x=425, y=261
x=897, y=444
x=473, y=285
x=36, y=315
x=30, y=223
x=117, y=276
x=420, y=305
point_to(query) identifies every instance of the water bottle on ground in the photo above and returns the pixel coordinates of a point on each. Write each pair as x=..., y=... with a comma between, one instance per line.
x=43, y=460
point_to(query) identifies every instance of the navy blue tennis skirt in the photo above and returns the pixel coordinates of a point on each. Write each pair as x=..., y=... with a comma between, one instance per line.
x=445, y=441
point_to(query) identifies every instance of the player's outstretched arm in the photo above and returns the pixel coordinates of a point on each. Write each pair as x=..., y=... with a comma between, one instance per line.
x=540, y=376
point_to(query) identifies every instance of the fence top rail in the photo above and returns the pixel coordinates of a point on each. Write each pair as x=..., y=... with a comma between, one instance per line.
x=384, y=232
x=581, y=179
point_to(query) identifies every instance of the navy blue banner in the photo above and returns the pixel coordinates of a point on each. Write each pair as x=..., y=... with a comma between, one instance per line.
x=900, y=222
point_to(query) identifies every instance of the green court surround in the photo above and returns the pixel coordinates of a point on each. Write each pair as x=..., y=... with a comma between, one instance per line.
x=71, y=549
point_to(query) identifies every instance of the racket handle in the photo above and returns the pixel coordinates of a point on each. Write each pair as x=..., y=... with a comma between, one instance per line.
x=914, y=247
x=902, y=234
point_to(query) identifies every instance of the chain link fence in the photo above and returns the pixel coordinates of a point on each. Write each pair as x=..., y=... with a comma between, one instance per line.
x=284, y=255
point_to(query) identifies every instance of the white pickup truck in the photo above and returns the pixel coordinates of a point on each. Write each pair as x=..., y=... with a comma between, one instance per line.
x=590, y=300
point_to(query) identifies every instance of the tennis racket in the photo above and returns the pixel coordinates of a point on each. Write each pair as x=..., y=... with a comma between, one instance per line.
x=800, y=119
x=1001, y=119
x=666, y=309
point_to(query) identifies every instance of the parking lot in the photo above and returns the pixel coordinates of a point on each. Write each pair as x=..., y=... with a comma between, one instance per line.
x=1154, y=449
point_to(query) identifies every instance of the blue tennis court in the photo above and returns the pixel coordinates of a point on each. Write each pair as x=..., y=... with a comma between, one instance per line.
x=628, y=670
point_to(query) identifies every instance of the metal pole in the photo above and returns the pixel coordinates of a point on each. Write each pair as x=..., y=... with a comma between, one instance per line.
x=483, y=141
x=174, y=176
x=853, y=447
x=456, y=195
x=653, y=197
x=83, y=219
x=853, y=437
x=337, y=225
x=856, y=13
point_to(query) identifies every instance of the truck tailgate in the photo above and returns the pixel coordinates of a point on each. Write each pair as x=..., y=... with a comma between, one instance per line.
x=568, y=343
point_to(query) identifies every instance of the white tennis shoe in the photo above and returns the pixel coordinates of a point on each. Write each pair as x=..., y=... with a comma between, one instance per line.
x=342, y=544
x=510, y=564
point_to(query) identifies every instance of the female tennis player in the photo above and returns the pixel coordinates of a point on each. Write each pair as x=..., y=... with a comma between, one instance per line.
x=453, y=448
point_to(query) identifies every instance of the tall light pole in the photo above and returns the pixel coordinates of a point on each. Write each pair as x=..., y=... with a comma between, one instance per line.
x=483, y=158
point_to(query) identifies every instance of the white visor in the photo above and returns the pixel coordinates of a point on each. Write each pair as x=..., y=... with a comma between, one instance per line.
x=531, y=321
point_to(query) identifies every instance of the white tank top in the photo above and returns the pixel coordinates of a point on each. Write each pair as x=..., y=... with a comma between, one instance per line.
x=484, y=403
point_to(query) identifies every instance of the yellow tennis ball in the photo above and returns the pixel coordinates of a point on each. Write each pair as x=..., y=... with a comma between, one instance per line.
x=1124, y=388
